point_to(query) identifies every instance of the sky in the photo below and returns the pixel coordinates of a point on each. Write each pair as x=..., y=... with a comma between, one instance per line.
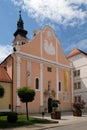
x=68, y=18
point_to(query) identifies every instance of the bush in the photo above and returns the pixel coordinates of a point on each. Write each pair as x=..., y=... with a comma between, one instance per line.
x=12, y=117
x=78, y=106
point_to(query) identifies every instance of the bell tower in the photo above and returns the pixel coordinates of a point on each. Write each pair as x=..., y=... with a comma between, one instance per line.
x=20, y=34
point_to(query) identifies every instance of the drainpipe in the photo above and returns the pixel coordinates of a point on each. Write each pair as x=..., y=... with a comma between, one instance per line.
x=12, y=80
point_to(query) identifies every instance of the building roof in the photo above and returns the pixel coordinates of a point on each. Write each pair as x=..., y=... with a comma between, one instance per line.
x=76, y=51
x=4, y=77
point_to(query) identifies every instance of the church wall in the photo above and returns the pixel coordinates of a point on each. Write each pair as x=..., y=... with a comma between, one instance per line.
x=34, y=72
x=49, y=85
x=23, y=72
x=9, y=68
x=33, y=47
x=61, y=57
x=49, y=76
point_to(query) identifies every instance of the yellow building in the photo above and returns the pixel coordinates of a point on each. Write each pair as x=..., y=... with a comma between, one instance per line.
x=39, y=64
x=6, y=82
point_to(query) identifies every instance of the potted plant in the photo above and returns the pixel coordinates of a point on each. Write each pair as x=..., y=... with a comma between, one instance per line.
x=77, y=108
x=55, y=114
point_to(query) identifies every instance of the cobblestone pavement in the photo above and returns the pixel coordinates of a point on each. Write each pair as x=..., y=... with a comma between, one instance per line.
x=66, y=119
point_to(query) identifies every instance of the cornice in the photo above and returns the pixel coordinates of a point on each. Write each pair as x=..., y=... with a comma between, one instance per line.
x=42, y=60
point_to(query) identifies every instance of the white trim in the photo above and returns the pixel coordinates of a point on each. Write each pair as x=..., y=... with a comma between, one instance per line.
x=41, y=43
x=56, y=51
x=18, y=78
x=41, y=84
x=57, y=97
x=50, y=29
x=72, y=80
x=57, y=76
x=42, y=60
x=41, y=71
x=29, y=73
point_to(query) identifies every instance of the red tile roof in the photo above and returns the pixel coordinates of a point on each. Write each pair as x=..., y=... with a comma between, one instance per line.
x=4, y=77
x=74, y=52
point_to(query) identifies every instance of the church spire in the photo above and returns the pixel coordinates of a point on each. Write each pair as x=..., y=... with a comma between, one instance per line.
x=20, y=27
x=20, y=22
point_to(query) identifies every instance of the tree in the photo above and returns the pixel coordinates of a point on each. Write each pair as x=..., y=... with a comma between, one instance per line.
x=26, y=95
x=1, y=91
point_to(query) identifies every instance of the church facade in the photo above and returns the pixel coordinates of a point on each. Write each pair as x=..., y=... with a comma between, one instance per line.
x=39, y=64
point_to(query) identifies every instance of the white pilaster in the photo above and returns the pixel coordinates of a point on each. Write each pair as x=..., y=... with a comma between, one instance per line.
x=57, y=78
x=72, y=85
x=57, y=83
x=41, y=84
x=41, y=75
x=18, y=78
x=29, y=73
x=41, y=43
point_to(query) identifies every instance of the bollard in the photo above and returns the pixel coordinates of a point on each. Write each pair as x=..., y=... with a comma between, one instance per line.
x=43, y=114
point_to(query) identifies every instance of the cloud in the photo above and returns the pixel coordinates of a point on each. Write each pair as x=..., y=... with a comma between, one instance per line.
x=82, y=45
x=65, y=12
x=5, y=50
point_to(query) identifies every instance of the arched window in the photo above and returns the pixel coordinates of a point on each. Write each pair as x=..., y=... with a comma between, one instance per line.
x=37, y=83
x=60, y=86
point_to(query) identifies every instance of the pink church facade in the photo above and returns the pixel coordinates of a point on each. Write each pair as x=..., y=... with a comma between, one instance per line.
x=39, y=64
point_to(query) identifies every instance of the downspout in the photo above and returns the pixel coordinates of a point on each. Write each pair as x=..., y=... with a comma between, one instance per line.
x=12, y=80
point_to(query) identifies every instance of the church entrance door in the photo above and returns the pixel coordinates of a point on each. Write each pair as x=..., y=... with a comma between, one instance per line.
x=49, y=105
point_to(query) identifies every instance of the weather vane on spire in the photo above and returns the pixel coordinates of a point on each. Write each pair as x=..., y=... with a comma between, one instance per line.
x=20, y=12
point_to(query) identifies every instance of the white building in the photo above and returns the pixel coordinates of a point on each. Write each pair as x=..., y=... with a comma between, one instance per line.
x=78, y=59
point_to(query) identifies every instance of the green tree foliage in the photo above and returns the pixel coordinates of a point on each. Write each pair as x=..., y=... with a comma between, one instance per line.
x=26, y=95
x=55, y=104
x=1, y=91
